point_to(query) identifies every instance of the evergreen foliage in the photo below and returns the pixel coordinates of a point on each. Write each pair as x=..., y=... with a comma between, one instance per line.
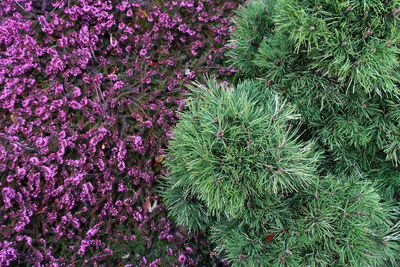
x=239, y=172
x=338, y=61
x=252, y=26
x=334, y=224
x=233, y=145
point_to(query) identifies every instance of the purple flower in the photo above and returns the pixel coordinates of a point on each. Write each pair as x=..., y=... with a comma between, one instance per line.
x=143, y=52
x=42, y=142
x=75, y=105
x=77, y=92
x=182, y=258
x=191, y=75
x=170, y=251
x=8, y=253
x=189, y=250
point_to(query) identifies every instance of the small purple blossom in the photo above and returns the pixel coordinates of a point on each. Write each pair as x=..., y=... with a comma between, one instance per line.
x=182, y=258
x=143, y=52
x=189, y=250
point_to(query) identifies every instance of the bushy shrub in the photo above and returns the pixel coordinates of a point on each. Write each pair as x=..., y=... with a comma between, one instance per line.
x=233, y=145
x=238, y=172
x=227, y=137
x=333, y=224
x=339, y=63
x=88, y=94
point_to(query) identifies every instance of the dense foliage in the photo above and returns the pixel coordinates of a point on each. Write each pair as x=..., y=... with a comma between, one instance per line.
x=298, y=165
x=239, y=173
x=88, y=93
x=232, y=146
x=274, y=191
x=339, y=63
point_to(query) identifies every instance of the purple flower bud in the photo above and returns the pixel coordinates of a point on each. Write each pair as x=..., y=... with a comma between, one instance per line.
x=143, y=52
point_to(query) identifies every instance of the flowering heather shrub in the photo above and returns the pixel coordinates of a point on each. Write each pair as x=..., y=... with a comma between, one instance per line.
x=89, y=92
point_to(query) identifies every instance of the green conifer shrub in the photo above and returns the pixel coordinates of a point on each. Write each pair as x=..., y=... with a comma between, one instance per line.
x=334, y=223
x=233, y=148
x=239, y=172
x=338, y=61
x=254, y=24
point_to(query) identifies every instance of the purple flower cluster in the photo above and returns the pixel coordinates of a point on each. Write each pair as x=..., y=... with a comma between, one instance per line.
x=89, y=91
